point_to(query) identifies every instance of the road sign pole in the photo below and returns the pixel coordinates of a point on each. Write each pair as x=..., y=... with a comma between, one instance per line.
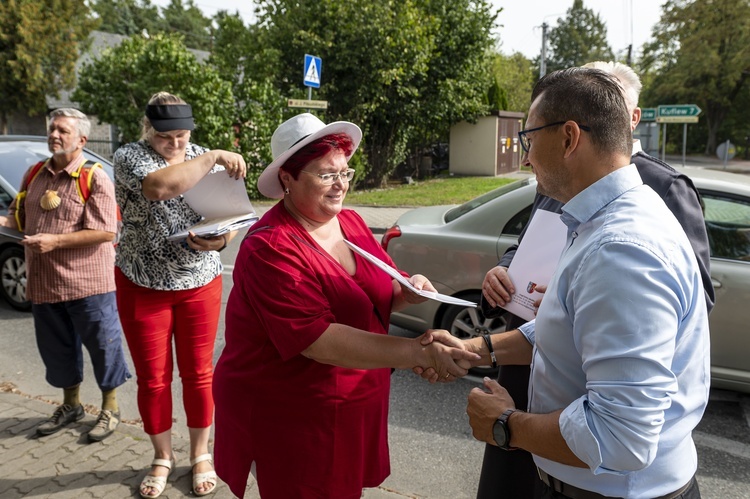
x=684, y=142
x=726, y=153
x=664, y=142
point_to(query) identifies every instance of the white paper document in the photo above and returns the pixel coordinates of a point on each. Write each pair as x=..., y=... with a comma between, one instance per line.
x=402, y=280
x=535, y=261
x=223, y=203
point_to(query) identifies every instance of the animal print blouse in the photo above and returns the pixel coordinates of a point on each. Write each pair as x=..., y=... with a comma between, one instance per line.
x=144, y=254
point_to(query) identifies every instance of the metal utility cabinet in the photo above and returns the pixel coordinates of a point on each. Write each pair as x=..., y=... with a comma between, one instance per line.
x=488, y=147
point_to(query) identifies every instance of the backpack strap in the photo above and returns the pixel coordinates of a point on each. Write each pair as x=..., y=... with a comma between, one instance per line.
x=31, y=174
x=85, y=176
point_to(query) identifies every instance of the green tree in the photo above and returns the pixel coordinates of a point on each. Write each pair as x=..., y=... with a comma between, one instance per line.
x=579, y=38
x=403, y=71
x=516, y=76
x=700, y=55
x=188, y=20
x=127, y=17
x=459, y=66
x=38, y=52
x=117, y=86
x=259, y=106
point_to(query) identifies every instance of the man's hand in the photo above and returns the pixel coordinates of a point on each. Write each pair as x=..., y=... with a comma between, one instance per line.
x=41, y=243
x=497, y=287
x=445, y=361
x=540, y=288
x=444, y=337
x=8, y=222
x=485, y=407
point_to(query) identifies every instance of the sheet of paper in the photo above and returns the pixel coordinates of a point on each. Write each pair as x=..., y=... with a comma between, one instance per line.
x=219, y=195
x=402, y=280
x=223, y=203
x=535, y=261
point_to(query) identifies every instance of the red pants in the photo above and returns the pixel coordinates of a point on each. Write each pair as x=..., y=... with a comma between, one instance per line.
x=150, y=319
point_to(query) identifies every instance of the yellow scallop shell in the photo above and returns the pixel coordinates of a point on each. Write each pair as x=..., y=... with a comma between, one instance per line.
x=50, y=200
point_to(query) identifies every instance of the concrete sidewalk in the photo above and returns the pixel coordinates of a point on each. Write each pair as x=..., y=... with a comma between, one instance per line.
x=735, y=165
x=66, y=465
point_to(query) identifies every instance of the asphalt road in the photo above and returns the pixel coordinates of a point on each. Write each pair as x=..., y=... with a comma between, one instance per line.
x=433, y=454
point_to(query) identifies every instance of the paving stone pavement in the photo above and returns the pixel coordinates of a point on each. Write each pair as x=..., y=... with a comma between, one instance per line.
x=65, y=465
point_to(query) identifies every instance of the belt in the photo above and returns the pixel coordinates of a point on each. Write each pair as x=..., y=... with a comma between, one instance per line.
x=575, y=493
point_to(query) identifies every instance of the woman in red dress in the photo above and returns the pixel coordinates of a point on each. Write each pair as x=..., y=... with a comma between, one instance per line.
x=301, y=388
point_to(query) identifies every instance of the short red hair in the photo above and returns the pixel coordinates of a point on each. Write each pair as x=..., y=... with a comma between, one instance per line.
x=317, y=149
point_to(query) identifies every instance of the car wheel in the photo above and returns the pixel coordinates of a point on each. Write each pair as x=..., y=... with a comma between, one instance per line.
x=466, y=322
x=13, y=278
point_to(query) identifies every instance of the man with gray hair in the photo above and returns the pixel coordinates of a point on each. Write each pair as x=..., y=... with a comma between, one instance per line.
x=67, y=211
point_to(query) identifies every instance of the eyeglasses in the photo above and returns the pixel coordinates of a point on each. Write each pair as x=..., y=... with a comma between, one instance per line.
x=331, y=178
x=526, y=142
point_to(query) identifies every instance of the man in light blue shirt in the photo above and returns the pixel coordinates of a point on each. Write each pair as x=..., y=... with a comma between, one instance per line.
x=619, y=350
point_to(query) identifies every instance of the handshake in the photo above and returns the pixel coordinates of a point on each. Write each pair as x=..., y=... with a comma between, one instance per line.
x=442, y=357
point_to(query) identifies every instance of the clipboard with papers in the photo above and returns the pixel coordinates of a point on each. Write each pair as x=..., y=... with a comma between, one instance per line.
x=223, y=203
x=403, y=281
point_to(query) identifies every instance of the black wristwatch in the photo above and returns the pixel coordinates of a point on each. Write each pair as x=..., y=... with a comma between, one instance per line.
x=501, y=432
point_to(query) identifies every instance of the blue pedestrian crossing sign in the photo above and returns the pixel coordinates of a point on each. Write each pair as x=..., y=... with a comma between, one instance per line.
x=313, y=68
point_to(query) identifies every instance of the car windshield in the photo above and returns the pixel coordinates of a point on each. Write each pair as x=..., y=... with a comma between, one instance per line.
x=468, y=206
x=16, y=156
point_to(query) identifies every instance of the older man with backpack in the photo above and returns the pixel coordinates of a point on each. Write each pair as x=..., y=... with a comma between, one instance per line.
x=67, y=211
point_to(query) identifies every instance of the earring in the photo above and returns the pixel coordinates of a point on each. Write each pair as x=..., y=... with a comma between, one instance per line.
x=286, y=190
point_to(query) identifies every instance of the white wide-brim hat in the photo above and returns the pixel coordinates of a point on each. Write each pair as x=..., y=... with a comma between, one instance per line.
x=291, y=136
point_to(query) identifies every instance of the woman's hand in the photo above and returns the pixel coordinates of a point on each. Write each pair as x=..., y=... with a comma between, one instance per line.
x=419, y=282
x=446, y=358
x=442, y=336
x=233, y=163
x=198, y=243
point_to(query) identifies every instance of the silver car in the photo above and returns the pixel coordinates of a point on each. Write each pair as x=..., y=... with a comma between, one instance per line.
x=17, y=153
x=455, y=246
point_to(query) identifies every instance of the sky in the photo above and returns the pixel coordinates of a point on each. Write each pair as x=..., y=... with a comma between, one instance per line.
x=627, y=21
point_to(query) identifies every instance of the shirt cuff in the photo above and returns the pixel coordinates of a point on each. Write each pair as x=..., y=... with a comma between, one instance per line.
x=529, y=330
x=575, y=430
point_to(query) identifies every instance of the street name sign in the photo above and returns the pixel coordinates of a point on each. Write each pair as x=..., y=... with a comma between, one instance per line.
x=309, y=104
x=313, y=70
x=648, y=114
x=677, y=113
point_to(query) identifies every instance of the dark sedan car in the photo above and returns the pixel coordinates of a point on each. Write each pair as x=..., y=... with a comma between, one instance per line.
x=17, y=153
x=455, y=246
